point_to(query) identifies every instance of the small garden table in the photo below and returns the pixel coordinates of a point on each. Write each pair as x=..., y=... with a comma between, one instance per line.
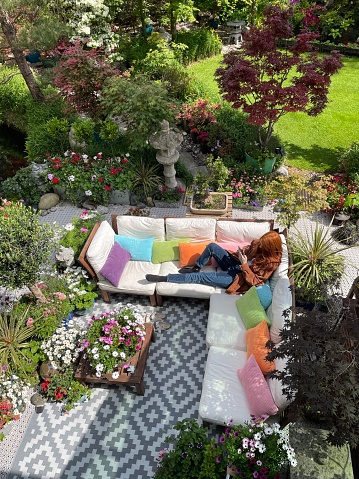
x=86, y=374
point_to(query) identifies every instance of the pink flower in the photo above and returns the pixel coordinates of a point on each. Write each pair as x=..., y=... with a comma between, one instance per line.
x=29, y=322
x=84, y=230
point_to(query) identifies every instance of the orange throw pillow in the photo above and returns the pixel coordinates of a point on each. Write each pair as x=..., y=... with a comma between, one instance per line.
x=189, y=252
x=256, y=340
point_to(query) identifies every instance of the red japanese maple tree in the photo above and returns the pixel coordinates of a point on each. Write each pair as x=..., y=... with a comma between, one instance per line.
x=267, y=81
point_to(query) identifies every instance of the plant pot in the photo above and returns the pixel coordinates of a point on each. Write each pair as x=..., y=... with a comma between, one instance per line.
x=66, y=321
x=268, y=164
x=119, y=197
x=210, y=211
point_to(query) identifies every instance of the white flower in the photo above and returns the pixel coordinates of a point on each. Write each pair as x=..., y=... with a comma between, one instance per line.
x=69, y=227
x=115, y=354
x=115, y=375
x=98, y=374
x=122, y=355
x=268, y=431
x=88, y=193
x=71, y=178
x=106, y=347
x=127, y=154
x=94, y=350
x=96, y=356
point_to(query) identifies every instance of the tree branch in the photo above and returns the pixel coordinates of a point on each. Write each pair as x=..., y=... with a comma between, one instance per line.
x=7, y=79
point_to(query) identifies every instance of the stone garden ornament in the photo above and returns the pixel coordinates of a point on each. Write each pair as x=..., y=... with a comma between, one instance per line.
x=166, y=141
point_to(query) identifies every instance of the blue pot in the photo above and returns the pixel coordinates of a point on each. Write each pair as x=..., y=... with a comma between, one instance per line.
x=82, y=312
x=65, y=322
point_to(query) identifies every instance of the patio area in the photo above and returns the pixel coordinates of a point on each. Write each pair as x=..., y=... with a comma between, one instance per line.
x=118, y=434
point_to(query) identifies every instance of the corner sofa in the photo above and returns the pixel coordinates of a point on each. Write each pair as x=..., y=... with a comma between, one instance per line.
x=223, y=396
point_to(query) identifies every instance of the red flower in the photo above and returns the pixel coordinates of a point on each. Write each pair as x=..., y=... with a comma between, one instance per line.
x=124, y=160
x=108, y=187
x=55, y=180
x=45, y=386
x=101, y=179
x=113, y=171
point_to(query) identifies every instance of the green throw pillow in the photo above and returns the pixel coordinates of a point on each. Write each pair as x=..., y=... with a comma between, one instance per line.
x=250, y=309
x=163, y=251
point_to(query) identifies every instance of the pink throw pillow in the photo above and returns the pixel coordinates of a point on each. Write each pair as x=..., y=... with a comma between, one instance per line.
x=259, y=397
x=115, y=264
x=233, y=247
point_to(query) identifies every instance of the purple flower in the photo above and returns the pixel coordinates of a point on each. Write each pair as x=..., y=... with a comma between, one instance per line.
x=228, y=430
x=222, y=439
x=199, y=445
x=184, y=455
x=255, y=475
x=218, y=459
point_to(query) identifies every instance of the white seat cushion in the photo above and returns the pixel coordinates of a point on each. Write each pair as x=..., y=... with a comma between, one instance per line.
x=133, y=279
x=197, y=229
x=225, y=327
x=141, y=227
x=200, y=291
x=100, y=247
x=223, y=397
x=241, y=231
x=281, y=301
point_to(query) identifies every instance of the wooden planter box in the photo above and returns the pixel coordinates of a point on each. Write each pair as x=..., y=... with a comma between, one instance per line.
x=209, y=211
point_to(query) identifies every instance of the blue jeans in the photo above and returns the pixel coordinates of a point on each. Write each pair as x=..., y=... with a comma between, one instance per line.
x=230, y=268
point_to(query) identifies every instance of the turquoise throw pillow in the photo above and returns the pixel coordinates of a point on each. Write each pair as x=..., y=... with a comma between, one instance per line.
x=250, y=309
x=139, y=249
x=265, y=295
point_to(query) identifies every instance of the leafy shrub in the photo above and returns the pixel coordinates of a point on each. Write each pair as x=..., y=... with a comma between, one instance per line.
x=202, y=43
x=183, y=172
x=135, y=49
x=21, y=186
x=13, y=96
x=349, y=160
x=78, y=230
x=49, y=138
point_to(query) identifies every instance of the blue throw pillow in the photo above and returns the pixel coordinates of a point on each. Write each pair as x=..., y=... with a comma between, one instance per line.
x=265, y=295
x=139, y=249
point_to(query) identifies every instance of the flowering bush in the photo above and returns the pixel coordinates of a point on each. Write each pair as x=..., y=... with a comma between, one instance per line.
x=62, y=347
x=94, y=177
x=81, y=288
x=14, y=390
x=62, y=387
x=78, y=230
x=164, y=193
x=198, y=114
x=339, y=188
x=113, y=338
x=248, y=188
x=255, y=450
x=6, y=414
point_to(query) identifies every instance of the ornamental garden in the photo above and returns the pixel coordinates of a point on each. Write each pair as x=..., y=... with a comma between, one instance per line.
x=84, y=95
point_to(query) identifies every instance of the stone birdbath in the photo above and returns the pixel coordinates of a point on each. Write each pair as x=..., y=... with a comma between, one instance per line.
x=166, y=141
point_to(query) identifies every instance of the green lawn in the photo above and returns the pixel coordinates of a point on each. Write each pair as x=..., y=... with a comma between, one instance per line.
x=312, y=143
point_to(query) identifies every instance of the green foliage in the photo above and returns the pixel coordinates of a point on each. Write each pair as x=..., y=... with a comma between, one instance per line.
x=294, y=194
x=349, y=160
x=26, y=245
x=78, y=230
x=135, y=49
x=21, y=186
x=15, y=334
x=50, y=138
x=142, y=103
x=183, y=172
x=185, y=460
x=321, y=371
x=318, y=266
x=84, y=129
x=217, y=179
x=228, y=135
x=146, y=178
x=161, y=64
x=13, y=96
x=201, y=43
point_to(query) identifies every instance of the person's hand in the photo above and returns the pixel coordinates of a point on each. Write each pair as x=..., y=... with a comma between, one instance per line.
x=242, y=257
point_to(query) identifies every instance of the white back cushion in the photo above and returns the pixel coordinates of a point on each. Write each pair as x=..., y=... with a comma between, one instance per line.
x=197, y=229
x=100, y=246
x=141, y=227
x=282, y=270
x=282, y=300
x=275, y=386
x=241, y=231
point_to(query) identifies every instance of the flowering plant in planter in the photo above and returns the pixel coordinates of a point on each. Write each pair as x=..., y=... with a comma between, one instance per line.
x=13, y=390
x=62, y=387
x=78, y=230
x=113, y=338
x=94, y=177
x=62, y=348
x=248, y=188
x=81, y=288
x=6, y=414
x=169, y=195
x=339, y=188
x=256, y=450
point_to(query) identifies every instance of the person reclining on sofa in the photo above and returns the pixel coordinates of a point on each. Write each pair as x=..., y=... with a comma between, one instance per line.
x=251, y=266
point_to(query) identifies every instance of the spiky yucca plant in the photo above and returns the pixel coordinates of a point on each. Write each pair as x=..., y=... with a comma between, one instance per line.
x=318, y=264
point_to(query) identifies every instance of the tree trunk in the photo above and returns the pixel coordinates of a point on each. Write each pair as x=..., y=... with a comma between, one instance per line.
x=10, y=35
x=36, y=291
